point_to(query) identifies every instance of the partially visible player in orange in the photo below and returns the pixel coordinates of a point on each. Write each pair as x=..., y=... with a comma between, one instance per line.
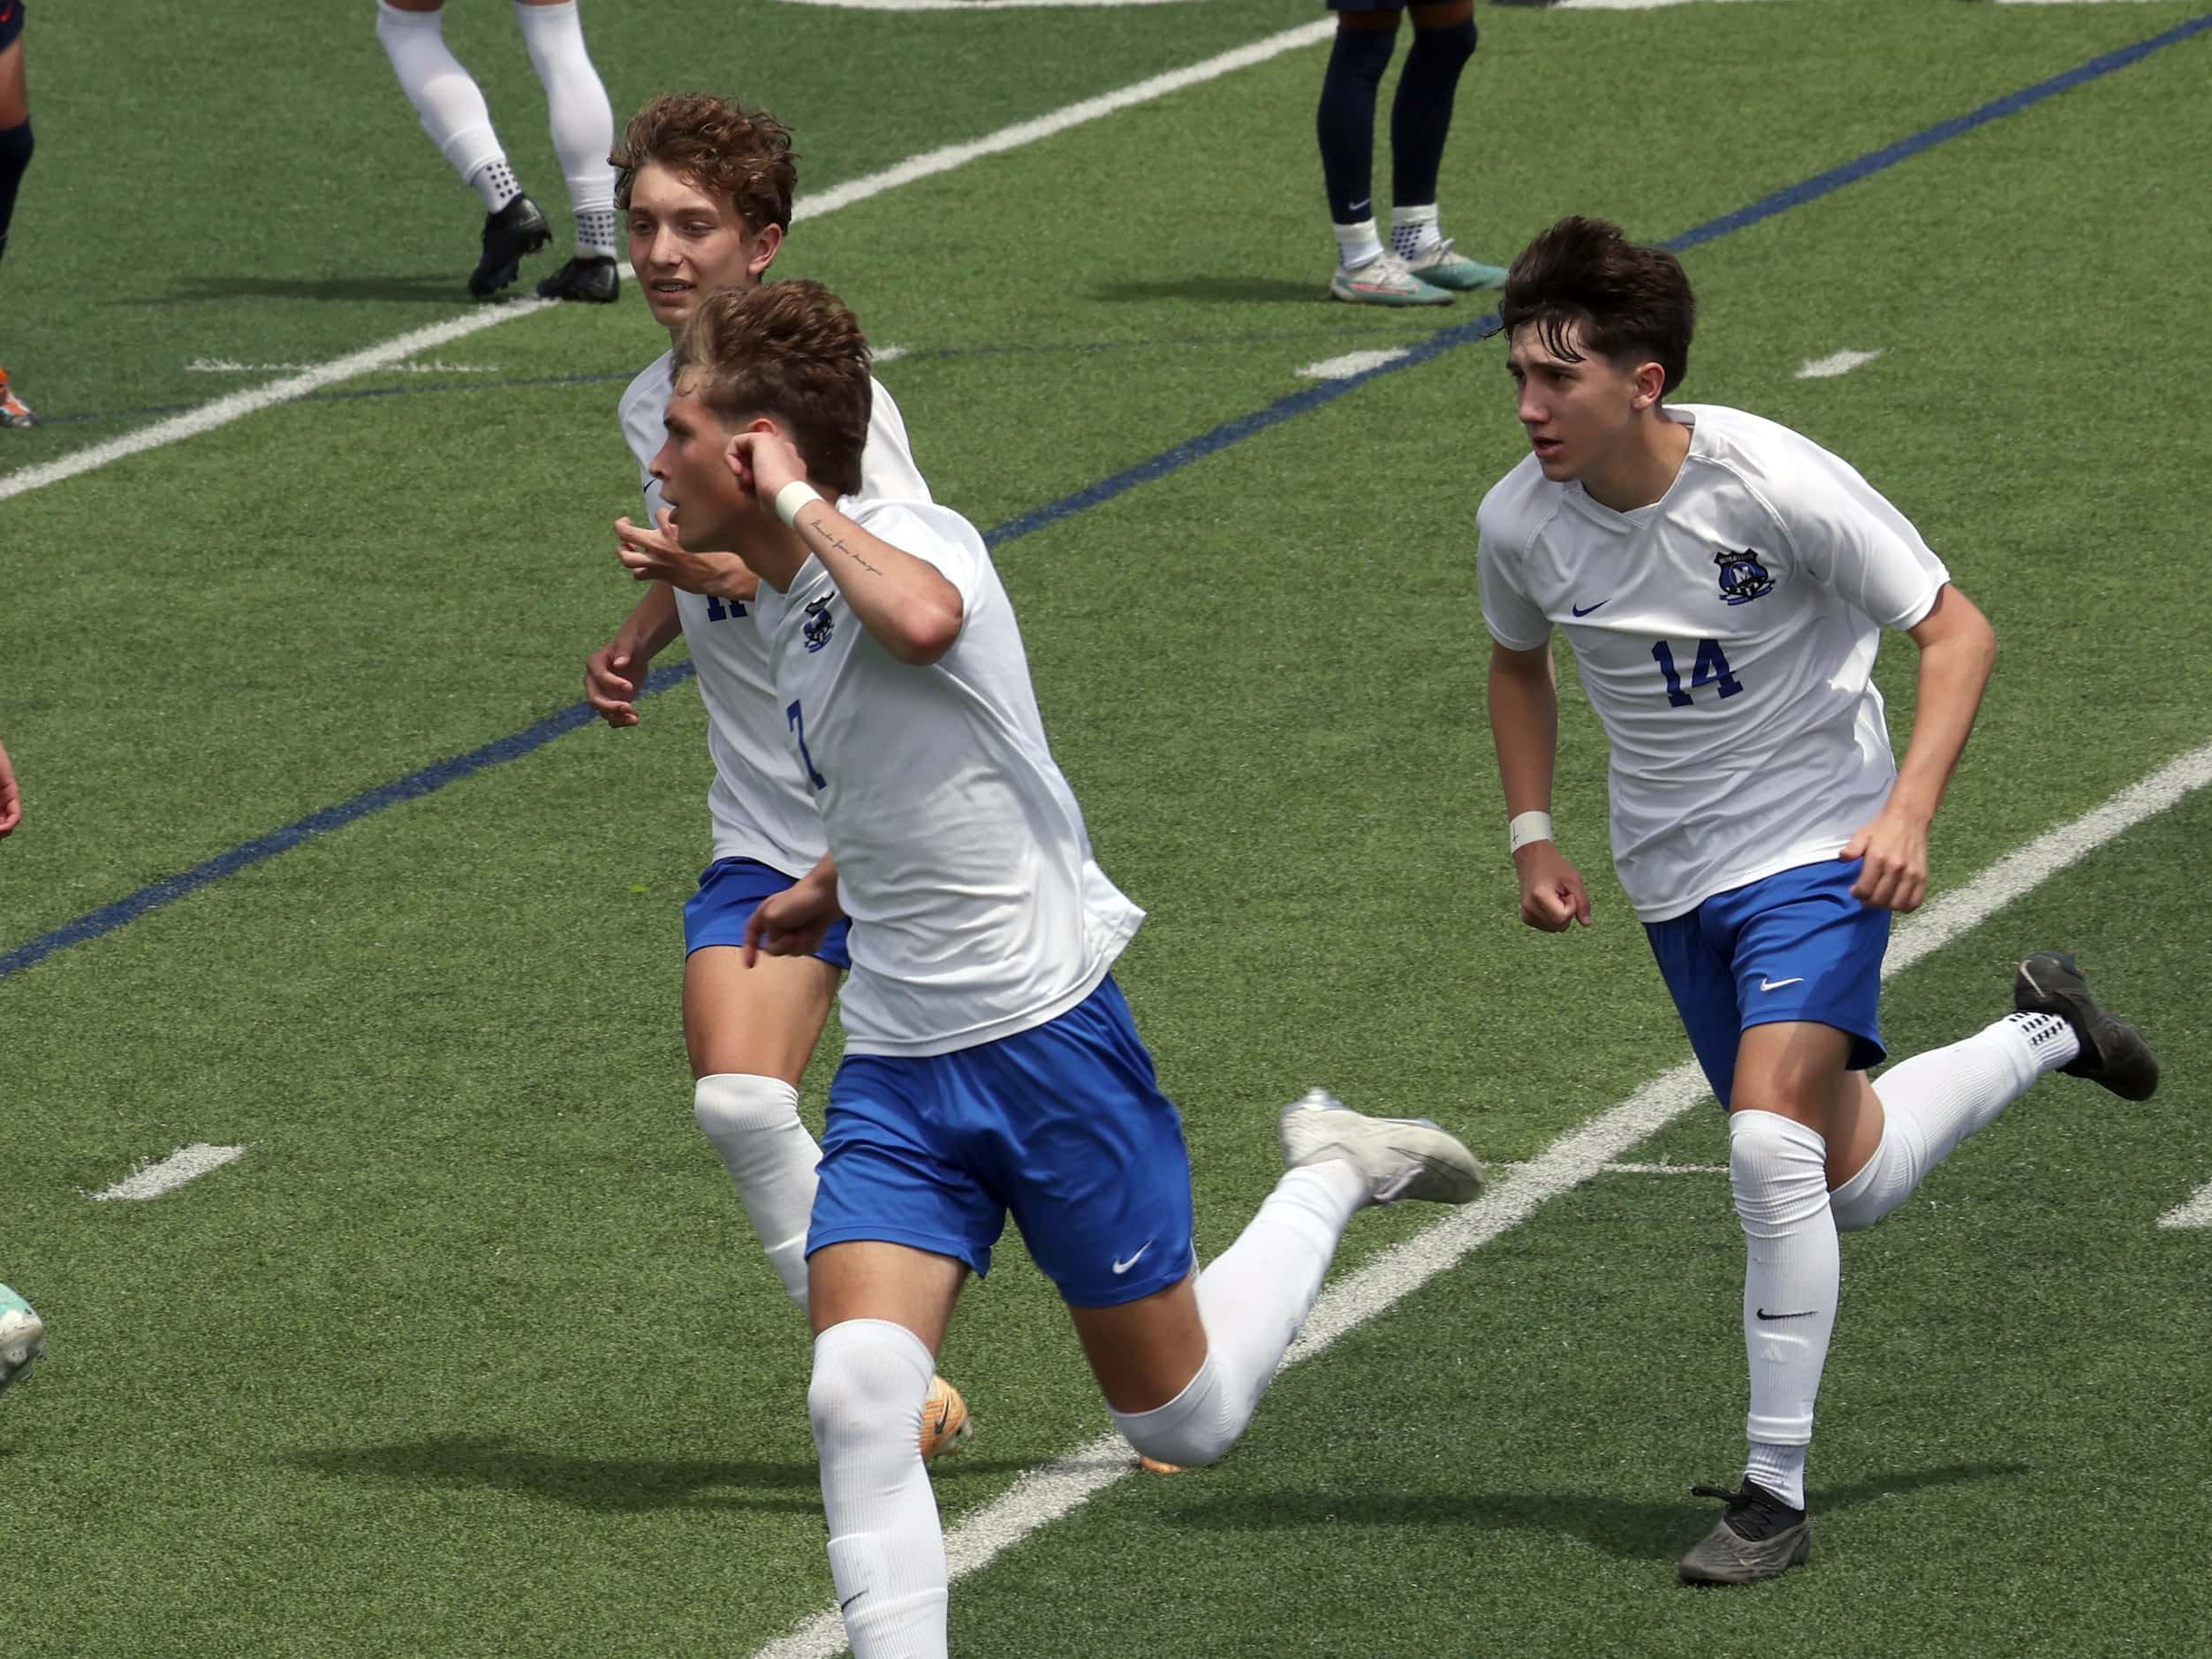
x=15, y=156
x=10, y=796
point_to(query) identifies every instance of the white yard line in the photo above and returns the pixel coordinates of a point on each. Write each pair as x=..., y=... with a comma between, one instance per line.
x=1836, y=363
x=1352, y=363
x=2197, y=1212
x=221, y=413
x=186, y=1163
x=1044, y=1495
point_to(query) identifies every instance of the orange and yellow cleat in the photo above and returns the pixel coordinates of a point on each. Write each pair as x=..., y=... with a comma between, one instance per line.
x=944, y=1419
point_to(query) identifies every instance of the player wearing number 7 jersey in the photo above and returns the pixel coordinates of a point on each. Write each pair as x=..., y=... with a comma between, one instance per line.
x=1723, y=582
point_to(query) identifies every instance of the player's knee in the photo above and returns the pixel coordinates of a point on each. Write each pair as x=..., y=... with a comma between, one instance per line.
x=1361, y=54
x=1448, y=47
x=1778, y=1169
x=865, y=1398
x=15, y=155
x=733, y=1103
x=1196, y=1427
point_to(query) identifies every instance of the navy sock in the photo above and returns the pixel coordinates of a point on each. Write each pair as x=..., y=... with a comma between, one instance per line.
x=15, y=155
x=1420, y=115
x=1346, y=120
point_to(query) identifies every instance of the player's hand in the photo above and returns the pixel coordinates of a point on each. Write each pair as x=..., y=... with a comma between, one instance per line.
x=1893, y=874
x=793, y=922
x=763, y=463
x=614, y=679
x=1552, y=897
x=10, y=796
x=654, y=555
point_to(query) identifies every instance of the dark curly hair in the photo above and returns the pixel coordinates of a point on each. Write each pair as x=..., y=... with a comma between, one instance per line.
x=1633, y=303
x=741, y=154
x=791, y=351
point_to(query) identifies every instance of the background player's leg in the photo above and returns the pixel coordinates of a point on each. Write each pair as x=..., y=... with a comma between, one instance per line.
x=880, y=1313
x=1344, y=123
x=583, y=125
x=454, y=114
x=15, y=157
x=1421, y=121
x=750, y=1032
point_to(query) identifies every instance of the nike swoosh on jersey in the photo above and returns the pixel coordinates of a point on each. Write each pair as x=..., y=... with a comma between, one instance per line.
x=1584, y=611
x=1121, y=1267
x=1766, y=984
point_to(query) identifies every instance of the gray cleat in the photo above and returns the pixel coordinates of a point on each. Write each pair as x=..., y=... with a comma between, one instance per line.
x=1402, y=1157
x=2113, y=1052
x=1758, y=1537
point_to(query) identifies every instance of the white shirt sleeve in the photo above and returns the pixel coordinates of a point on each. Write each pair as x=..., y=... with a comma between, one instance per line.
x=910, y=531
x=1512, y=618
x=888, y=472
x=1849, y=538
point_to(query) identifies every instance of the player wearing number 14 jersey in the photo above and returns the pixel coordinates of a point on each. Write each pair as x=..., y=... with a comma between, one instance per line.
x=1723, y=582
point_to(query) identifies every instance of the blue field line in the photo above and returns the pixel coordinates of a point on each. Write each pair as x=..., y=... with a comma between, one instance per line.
x=154, y=895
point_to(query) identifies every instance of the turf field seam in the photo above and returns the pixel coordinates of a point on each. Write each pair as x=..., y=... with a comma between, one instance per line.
x=209, y=417
x=1042, y=1497
x=95, y=923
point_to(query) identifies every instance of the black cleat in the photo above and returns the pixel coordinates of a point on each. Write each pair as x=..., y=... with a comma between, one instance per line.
x=1758, y=1536
x=517, y=228
x=588, y=277
x=2113, y=1052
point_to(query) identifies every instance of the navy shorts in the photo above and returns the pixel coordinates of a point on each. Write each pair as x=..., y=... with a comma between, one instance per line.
x=1064, y=1124
x=11, y=23
x=1367, y=5
x=1794, y=946
x=730, y=890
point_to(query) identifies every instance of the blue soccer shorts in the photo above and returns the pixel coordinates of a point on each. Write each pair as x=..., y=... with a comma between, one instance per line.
x=730, y=890
x=1794, y=946
x=1063, y=1125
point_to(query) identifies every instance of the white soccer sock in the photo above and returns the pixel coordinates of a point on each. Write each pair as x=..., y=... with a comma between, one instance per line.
x=1778, y=1169
x=443, y=94
x=1933, y=1101
x=1414, y=230
x=886, y=1543
x=1252, y=1301
x=1357, y=245
x=583, y=120
x=754, y=1123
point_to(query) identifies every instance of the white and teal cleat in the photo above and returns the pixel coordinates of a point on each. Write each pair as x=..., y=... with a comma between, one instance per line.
x=22, y=1336
x=1384, y=281
x=1401, y=1157
x=1442, y=266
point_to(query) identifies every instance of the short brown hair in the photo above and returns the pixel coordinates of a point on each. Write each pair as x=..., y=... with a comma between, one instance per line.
x=741, y=154
x=789, y=351
x=1633, y=303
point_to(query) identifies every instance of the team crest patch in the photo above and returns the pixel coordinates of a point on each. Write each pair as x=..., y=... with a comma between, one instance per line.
x=1743, y=577
x=816, y=631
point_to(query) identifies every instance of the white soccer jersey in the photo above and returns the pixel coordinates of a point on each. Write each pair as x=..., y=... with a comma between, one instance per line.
x=761, y=807
x=978, y=911
x=1726, y=636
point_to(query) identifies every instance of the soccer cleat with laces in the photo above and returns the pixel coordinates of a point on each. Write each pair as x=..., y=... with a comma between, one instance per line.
x=1384, y=281
x=590, y=278
x=1441, y=266
x=13, y=411
x=1401, y=1157
x=944, y=1419
x=1758, y=1536
x=22, y=1336
x=2113, y=1052
x=517, y=228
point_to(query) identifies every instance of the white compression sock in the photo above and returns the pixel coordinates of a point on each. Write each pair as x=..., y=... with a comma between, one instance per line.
x=583, y=120
x=886, y=1543
x=1933, y=1101
x=1778, y=1169
x=443, y=94
x=1252, y=1301
x=1414, y=230
x=754, y=1123
x=1357, y=245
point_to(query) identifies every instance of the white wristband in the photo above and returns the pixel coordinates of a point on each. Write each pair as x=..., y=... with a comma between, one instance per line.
x=1525, y=828
x=792, y=496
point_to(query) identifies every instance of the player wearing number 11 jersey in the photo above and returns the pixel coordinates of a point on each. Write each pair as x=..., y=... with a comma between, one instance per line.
x=1723, y=582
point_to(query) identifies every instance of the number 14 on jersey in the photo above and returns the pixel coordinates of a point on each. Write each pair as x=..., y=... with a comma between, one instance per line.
x=1710, y=669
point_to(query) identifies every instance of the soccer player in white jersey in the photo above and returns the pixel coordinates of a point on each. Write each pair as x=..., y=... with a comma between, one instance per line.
x=705, y=187
x=990, y=1062
x=1723, y=582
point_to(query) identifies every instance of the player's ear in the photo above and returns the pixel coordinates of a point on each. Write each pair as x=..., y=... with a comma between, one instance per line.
x=1651, y=383
x=766, y=244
